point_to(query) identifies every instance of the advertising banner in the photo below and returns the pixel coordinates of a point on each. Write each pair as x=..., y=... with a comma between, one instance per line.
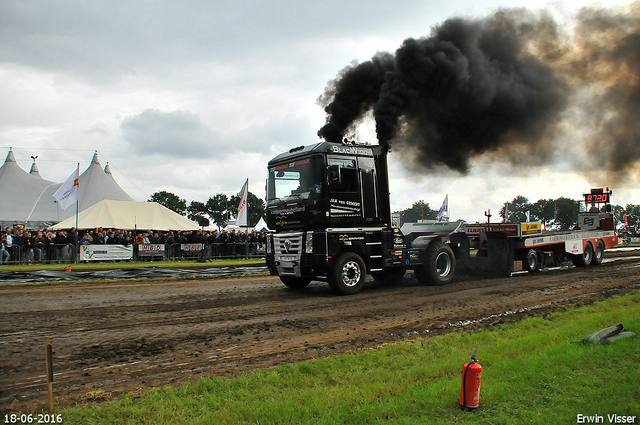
x=105, y=252
x=151, y=250
x=192, y=247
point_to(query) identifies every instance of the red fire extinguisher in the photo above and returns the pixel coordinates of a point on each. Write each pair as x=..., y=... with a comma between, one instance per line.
x=470, y=392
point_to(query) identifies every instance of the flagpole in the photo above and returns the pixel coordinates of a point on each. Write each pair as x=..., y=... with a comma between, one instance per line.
x=77, y=251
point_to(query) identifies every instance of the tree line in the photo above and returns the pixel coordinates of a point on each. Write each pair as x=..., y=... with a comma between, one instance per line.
x=217, y=209
x=560, y=213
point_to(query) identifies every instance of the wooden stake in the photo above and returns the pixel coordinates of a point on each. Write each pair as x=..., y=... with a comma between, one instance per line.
x=49, y=359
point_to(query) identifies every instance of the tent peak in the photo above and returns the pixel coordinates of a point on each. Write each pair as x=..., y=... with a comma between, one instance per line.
x=10, y=156
x=95, y=159
x=107, y=169
x=34, y=169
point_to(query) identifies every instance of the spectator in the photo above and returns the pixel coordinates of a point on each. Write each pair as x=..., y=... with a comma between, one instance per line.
x=28, y=247
x=4, y=253
x=212, y=241
x=86, y=239
x=72, y=241
x=60, y=244
x=49, y=247
x=174, y=249
x=38, y=243
x=19, y=242
x=8, y=240
x=138, y=239
x=98, y=239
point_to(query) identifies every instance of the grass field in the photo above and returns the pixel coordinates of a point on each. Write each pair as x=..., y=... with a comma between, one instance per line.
x=533, y=373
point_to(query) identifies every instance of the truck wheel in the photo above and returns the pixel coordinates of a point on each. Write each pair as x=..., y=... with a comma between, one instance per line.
x=598, y=255
x=389, y=276
x=584, y=259
x=530, y=263
x=295, y=282
x=349, y=274
x=439, y=265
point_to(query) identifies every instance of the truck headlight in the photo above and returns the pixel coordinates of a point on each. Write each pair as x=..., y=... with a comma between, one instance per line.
x=308, y=247
x=268, y=243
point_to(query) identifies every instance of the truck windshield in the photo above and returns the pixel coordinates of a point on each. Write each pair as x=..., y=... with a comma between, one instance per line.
x=293, y=181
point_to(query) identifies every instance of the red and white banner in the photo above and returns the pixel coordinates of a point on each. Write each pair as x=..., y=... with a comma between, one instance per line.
x=241, y=219
x=151, y=249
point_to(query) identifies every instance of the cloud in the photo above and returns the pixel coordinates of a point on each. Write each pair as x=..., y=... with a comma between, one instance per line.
x=178, y=133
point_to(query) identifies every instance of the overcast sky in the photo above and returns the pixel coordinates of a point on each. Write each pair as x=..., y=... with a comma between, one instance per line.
x=194, y=97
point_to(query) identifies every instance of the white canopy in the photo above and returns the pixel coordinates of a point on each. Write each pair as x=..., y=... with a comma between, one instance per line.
x=128, y=216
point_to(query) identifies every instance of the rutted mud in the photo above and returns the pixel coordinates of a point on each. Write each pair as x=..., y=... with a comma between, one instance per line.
x=114, y=337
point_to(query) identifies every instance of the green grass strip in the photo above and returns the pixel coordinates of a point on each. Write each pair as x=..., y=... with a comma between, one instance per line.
x=533, y=373
x=131, y=265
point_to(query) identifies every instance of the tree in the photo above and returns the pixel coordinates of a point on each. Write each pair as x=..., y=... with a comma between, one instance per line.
x=567, y=212
x=517, y=210
x=618, y=212
x=255, y=208
x=170, y=200
x=197, y=211
x=217, y=209
x=418, y=211
x=543, y=210
x=633, y=216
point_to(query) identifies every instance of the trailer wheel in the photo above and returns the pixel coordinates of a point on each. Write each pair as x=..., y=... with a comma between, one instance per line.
x=349, y=274
x=295, y=282
x=439, y=265
x=530, y=263
x=584, y=259
x=598, y=255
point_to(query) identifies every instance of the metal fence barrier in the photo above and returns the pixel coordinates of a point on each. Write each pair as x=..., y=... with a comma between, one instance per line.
x=58, y=254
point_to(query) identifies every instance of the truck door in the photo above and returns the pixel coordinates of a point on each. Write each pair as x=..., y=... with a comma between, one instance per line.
x=344, y=180
x=369, y=192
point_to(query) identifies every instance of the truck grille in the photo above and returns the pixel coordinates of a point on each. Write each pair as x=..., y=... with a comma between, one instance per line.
x=288, y=244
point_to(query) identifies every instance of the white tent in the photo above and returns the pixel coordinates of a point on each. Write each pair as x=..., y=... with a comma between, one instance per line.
x=128, y=216
x=262, y=225
x=27, y=198
x=20, y=192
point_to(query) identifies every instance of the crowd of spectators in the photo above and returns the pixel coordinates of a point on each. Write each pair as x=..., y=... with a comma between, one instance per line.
x=23, y=246
x=19, y=245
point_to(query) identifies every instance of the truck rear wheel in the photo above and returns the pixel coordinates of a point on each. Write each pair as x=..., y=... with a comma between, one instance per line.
x=349, y=274
x=598, y=254
x=439, y=265
x=530, y=263
x=295, y=282
x=584, y=259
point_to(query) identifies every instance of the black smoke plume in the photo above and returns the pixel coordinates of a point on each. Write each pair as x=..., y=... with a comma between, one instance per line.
x=502, y=85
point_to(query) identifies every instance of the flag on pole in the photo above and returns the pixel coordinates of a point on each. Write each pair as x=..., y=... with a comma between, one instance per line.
x=528, y=215
x=506, y=212
x=67, y=194
x=443, y=214
x=241, y=218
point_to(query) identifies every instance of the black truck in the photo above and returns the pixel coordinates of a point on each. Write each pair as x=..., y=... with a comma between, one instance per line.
x=328, y=205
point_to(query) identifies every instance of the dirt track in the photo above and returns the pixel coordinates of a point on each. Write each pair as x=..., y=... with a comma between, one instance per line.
x=113, y=337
